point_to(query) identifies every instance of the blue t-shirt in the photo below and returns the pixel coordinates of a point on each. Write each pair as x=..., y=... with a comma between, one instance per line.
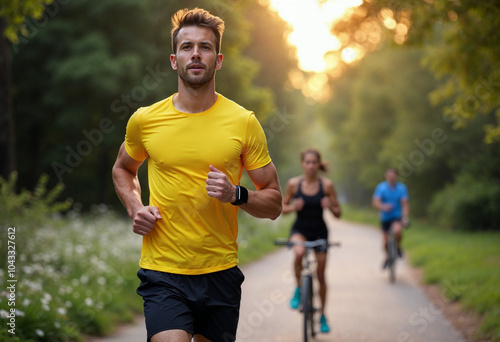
x=391, y=195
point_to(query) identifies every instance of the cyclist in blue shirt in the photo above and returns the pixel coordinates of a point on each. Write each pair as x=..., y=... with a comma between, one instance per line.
x=391, y=199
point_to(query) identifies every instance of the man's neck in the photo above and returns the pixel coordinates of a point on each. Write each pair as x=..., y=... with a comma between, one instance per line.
x=195, y=100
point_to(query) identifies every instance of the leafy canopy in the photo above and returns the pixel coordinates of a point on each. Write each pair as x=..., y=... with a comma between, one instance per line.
x=462, y=46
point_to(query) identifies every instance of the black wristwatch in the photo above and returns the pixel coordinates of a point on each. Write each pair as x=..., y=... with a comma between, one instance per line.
x=241, y=195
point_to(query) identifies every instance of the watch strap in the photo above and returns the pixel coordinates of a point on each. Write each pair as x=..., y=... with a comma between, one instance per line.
x=241, y=195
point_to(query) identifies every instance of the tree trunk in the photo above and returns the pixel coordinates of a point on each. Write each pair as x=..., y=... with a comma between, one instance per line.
x=7, y=133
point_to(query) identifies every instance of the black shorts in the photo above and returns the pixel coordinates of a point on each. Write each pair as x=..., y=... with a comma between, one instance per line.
x=387, y=224
x=206, y=304
x=312, y=235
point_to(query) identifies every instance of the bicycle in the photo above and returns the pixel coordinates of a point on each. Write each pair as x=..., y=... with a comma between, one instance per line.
x=307, y=288
x=392, y=253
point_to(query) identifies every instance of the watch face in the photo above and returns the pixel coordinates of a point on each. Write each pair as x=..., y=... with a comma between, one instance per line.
x=238, y=194
x=238, y=197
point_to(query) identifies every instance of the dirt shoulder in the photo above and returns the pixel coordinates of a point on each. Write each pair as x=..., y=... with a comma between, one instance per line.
x=465, y=321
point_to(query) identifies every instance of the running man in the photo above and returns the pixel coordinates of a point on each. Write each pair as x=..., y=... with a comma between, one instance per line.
x=196, y=143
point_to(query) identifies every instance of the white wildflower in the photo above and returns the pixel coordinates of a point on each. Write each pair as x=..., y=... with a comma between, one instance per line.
x=89, y=301
x=28, y=270
x=79, y=249
x=84, y=279
x=46, y=299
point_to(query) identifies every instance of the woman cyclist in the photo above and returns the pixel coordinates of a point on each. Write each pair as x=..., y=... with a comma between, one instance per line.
x=308, y=194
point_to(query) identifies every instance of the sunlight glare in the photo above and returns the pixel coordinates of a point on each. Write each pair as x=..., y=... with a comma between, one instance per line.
x=349, y=55
x=311, y=21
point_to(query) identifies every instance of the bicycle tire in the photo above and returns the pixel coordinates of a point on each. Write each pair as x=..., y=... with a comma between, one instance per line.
x=307, y=306
x=392, y=259
x=313, y=310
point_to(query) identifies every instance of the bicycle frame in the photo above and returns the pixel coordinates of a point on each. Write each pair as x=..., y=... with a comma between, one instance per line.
x=393, y=256
x=307, y=283
x=392, y=251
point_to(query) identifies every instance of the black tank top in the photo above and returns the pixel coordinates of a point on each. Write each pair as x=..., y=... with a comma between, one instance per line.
x=310, y=221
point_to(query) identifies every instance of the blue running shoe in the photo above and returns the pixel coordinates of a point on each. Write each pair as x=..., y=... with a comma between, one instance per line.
x=295, y=301
x=324, y=328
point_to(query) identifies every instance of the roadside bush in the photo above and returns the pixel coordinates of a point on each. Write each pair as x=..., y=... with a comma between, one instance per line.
x=28, y=207
x=74, y=276
x=63, y=276
x=468, y=204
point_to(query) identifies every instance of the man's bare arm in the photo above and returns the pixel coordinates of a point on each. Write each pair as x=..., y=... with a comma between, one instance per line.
x=406, y=210
x=128, y=189
x=377, y=204
x=265, y=202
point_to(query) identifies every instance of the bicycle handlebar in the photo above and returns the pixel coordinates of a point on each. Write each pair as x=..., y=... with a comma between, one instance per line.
x=307, y=244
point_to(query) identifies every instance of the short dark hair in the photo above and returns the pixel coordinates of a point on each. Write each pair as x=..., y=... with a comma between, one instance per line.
x=196, y=17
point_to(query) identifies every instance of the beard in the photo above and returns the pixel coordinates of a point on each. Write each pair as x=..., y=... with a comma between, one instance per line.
x=196, y=81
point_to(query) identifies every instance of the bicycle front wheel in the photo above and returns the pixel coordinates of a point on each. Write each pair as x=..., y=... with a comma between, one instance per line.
x=307, y=306
x=392, y=259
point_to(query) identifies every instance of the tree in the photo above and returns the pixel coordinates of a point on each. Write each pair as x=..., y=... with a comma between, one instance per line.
x=381, y=117
x=101, y=61
x=13, y=15
x=462, y=46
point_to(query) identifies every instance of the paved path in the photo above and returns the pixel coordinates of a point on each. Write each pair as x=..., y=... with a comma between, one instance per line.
x=362, y=305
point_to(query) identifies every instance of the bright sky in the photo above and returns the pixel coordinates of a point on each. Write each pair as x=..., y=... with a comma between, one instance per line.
x=311, y=21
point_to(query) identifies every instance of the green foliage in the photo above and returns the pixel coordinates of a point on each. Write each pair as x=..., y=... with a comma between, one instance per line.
x=462, y=44
x=382, y=118
x=465, y=265
x=16, y=12
x=255, y=237
x=102, y=61
x=75, y=277
x=469, y=204
x=28, y=207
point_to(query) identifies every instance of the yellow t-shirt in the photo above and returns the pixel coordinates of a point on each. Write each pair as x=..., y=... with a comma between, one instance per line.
x=197, y=233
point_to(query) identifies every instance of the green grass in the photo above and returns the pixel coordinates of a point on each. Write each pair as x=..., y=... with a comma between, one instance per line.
x=256, y=236
x=466, y=265
x=360, y=214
